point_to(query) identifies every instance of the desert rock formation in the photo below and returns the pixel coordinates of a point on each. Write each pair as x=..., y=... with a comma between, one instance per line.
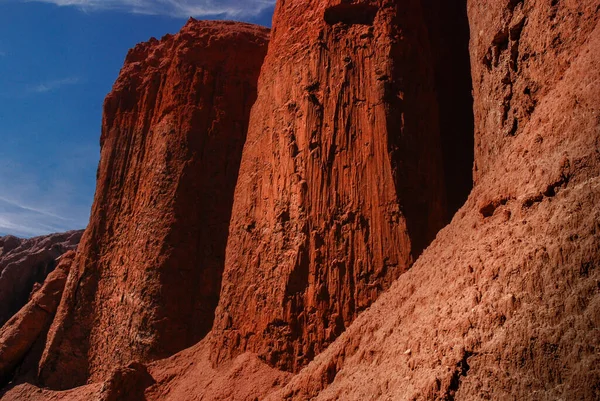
x=147, y=276
x=505, y=303
x=329, y=215
x=20, y=334
x=341, y=184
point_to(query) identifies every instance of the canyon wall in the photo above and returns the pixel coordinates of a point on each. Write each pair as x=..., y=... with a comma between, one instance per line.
x=505, y=303
x=341, y=183
x=23, y=336
x=147, y=276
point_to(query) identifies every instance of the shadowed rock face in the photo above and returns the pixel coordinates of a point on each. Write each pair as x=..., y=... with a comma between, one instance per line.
x=341, y=183
x=146, y=281
x=448, y=29
x=25, y=263
x=505, y=303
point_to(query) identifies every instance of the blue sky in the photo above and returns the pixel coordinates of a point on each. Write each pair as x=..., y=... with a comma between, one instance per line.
x=58, y=60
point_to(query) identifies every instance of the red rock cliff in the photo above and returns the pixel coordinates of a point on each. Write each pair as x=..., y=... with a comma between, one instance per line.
x=505, y=303
x=341, y=184
x=147, y=278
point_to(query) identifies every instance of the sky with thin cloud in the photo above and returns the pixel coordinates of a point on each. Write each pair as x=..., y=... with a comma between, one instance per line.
x=173, y=8
x=58, y=60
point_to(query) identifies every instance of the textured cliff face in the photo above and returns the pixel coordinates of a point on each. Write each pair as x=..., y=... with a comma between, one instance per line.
x=146, y=280
x=520, y=50
x=341, y=183
x=505, y=303
x=29, y=326
x=25, y=263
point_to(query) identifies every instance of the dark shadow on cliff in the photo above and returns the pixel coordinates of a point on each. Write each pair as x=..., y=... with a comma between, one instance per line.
x=449, y=34
x=434, y=178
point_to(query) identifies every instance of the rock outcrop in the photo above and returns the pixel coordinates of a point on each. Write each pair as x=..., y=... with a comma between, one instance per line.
x=503, y=304
x=341, y=183
x=25, y=263
x=19, y=335
x=147, y=277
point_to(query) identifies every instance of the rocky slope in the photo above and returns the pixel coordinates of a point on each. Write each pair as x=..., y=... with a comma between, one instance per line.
x=25, y=263
x=146, y=279
x=341, y=182
x=503, y=304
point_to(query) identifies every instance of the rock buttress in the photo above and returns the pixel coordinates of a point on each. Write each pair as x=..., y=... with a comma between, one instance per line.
x=146, y=281
x=505, y=303
x=341, y=184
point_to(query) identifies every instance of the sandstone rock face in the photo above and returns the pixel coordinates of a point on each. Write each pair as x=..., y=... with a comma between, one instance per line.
x=21, y=332
x=520, y=50
x=25, y=262
x=505, y=303
x=147, y=278
x=190, y=375
x=341, y=185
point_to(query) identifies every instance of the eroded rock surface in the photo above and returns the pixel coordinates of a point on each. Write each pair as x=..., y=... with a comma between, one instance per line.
x=341, y=183
x=25, y=263
x=147, y=278
x=505, y=303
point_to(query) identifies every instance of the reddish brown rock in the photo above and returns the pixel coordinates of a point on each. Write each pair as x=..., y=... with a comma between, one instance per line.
x=22, y=331
x=126, y=384
x=147, y=278
x=505, y=303
x=25, y=263
x=341, y=184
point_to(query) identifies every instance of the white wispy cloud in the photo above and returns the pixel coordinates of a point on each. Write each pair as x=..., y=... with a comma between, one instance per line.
x=174, y=8
x=53, y=85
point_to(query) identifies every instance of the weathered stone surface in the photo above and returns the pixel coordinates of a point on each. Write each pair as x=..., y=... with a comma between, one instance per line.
x=20, y=333
x=189, y=374
x=341, y=183
x=505, y=303
x=25, y=262
x=127, y=384
x=147, y=278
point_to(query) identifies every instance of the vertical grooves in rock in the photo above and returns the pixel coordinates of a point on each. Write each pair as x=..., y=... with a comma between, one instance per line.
x=341, y=184
x=146, y=281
